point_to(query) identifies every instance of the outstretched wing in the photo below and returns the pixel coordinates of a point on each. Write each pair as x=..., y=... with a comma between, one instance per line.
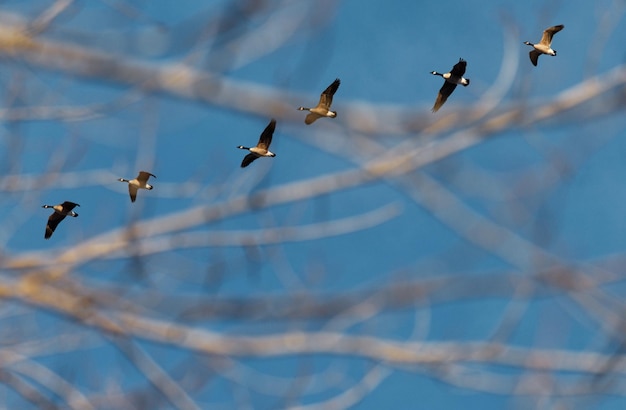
x=144, y=176
x=68, y=206
x=459, y=69
x=546, y=38
x=247, y=160
x=326, y=98
x=132, y=191
x=534, y=56
x=310, y=119
x=53, y=220
x=443, y=95
x=266, y=136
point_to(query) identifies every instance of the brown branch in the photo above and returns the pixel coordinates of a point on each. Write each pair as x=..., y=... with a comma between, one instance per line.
x=294, y=343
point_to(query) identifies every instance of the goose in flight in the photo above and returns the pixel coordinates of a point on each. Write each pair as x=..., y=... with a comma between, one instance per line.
x=59, y=214
x=452, y=79
x=544, y=46
x=323, y=106
x=262, y=148
x=141, y=182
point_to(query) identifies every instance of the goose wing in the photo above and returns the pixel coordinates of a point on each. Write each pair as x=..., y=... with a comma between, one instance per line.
x=326, y=98
x=534, y=56
x=310, y=119
x=266, y=137
x=68, y=206
x=247, y=160
x=144, y=176
x=459, y=69
x=443, y=95
x=53, y=220
x=132, y=191
x=546, y=38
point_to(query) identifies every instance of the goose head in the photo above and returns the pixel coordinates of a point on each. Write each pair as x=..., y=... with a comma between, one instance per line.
x=528, y=43
x=436, y=73
x=242, y=147
x=122, y=180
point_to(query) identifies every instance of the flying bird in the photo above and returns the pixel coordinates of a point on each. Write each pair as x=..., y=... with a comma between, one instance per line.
x=544, y=46
x=323, y=106
x=141, y=182
x=452, y=79
x=59, y=214
x=262, y=147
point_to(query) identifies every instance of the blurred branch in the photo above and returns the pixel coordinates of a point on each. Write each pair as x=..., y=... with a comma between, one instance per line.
x=83, y=112
x=399, y=160
x=60, y=180
x=155, y=374
x=120, y=241
x=52, y=381
x=298, y=343
x=26, y=390
x=46, y=18
x=185, y=82
x=353, y=395
x=304, y=323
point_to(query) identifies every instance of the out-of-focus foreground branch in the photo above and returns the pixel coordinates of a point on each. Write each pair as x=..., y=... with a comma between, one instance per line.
x=166, y=304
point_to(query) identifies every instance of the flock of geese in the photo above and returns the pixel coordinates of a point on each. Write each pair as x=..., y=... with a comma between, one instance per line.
x=321, y=110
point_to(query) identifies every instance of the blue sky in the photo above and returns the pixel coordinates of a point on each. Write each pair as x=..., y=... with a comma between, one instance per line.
x=529, y=199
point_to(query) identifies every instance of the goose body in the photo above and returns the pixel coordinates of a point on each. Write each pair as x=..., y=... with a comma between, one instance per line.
x=262, y=148
x=141, y=182
x=545, y=45
x=323, y=106
x=59, y=214
x=452, y=79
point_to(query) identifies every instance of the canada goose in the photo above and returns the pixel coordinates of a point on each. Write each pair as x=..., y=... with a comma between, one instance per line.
x=140, y=182
x=262, y=147
x=454, y=77
x=323, y=107
x=543, y=47
x=59, y=214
